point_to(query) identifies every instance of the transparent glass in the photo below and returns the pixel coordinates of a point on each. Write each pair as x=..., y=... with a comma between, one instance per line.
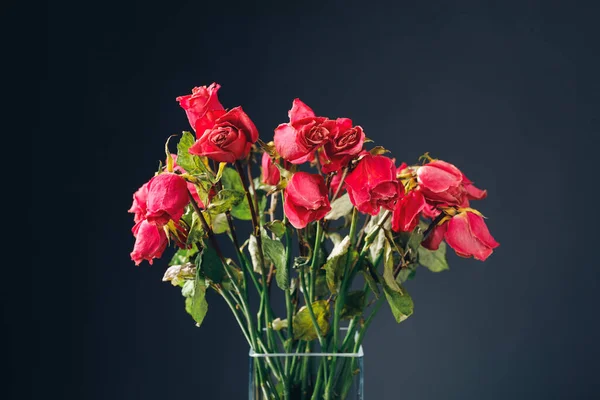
x=306, y=375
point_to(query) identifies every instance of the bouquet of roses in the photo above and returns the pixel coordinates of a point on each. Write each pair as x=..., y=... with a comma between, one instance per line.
x=353, y=226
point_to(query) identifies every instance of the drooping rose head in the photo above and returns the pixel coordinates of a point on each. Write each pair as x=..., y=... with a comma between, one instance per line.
x=373, y=184
x=436, y=236
x=167, y=198
x=345, y=143
x=407, y=212
x=230, y=139
x=138, y=207
x=270, y=173
x=202, y=107
x=305, y=199
x=297, y=140
x=150, y=242
x=469, y=236
x=442, y=183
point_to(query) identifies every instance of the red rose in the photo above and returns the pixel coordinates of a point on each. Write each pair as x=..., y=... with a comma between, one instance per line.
x=441, y=182
x=468, y=235
x=297, y=140
x=150, y=242
x=138, y=208
x=230, y=139
x=372, y=184
x=270, y=173
x=345, y=143
x=305, y=199
x=167, y=198
x=202, y=107
x=407, y=212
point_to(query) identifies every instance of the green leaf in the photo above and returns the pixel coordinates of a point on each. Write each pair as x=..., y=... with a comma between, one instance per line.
x=225, y=200
x=340, y=207
x=388, y=268
x=231, y=179
x=400, y=303
x=321, y=288
x=371, y=283
x=275, y=251
x=209, y=263
x=406, y=274
x=434, y=260
x=277, y=227
x=219, y=223
x=335, y=264
x=196, y=231
x=195, y=299
x=303, y=325
x=190, y=162
x=183, y=256
x=354, y=304
x=377, y=246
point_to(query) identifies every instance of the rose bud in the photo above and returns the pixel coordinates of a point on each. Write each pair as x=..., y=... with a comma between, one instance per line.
x=407, y=212
x=441, y=182
x=150, y=242
x=305, y=199
x=468, y=235
x=346, y=142
x=167, y=198
x=230, y=139
x=270, y=172
x=297, y=140
x=202, y=107
x=138, y=208
x=372, y=184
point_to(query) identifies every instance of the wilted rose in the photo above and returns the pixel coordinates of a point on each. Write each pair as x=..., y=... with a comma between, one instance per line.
x=167, y=198
x=345, y=143
x=230, y=138
x=305, y=199
x=202, y=107
x=138, y=207
x=150, y=242
x=270, y=172
x=407, y=212
x=373, y=184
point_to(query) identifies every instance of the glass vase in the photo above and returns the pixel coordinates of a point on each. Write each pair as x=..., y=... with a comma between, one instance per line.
x=306, y=375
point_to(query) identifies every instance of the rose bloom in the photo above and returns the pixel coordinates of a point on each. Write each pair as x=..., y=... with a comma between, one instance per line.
x=305, y=199
x=345, y=144
x=167, y=198
x=270, y=173
x=230, y=139
x=138, y=208
x=469, y=236
x=373, y=184
x=297, y=140
x=407, y=212
x=150, y=242
x=466, y=233
x=202, y=107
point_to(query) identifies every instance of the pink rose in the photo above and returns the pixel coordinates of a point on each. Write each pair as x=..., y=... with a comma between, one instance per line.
x=297, y=140
x=345, y=144
x=305, y=199
x=270, y=172
x=150, y=242
x=167, y=198
x=138, y=208
x=230, y=139
x=441, y=182
x=469, y=236
x=373, y=184
x=202, y=107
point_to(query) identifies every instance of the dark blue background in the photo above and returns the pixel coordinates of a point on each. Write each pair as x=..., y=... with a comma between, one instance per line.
x=509, y=93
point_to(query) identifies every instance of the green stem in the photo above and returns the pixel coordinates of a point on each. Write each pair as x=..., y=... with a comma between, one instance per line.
x=315, y=256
